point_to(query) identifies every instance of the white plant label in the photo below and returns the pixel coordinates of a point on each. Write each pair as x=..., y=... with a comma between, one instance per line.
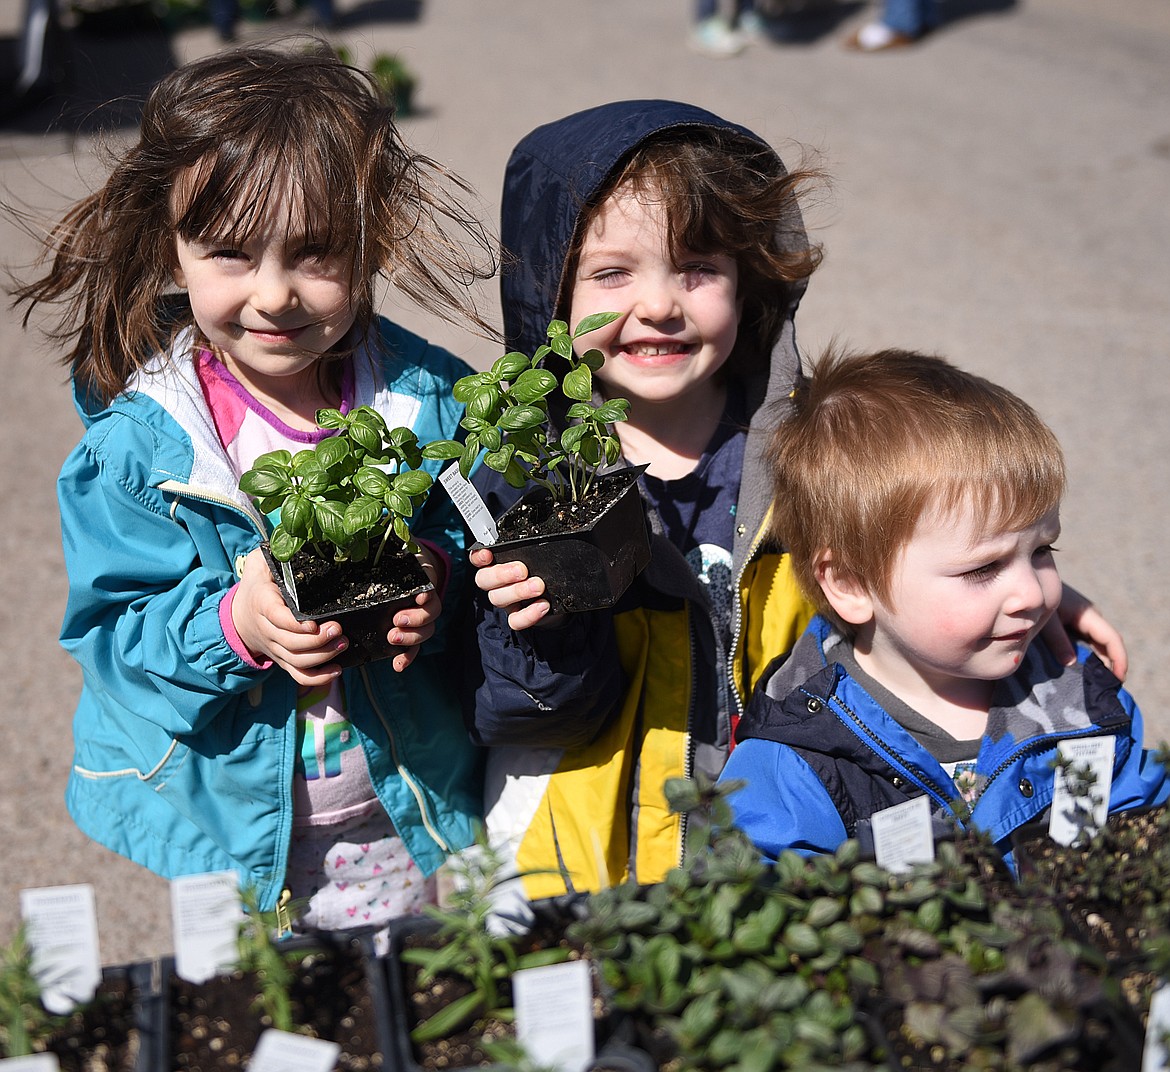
x=1070, y=815
x=1154, y=1055
x=205, y=916
x=470, y=504
x=281, y=1051
x=36, y=1062
x=62, y=931
x=290, y=582
x=554, y=1014
x=902, y=835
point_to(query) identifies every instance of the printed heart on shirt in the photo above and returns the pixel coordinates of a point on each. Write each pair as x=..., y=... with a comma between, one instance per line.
x=366, y=847
x=351, y=911
x=377, y=869
x=339, y=861
x=342, y=885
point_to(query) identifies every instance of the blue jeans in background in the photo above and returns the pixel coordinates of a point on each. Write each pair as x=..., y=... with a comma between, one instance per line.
x=911, y=17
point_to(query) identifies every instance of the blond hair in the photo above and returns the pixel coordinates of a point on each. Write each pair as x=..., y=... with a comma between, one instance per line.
x=876, y=440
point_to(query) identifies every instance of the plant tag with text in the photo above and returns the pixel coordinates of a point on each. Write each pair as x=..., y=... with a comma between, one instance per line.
x=1154, y=1056
x=281, y=1051
x=1072, y=813
x=470, y=504
x=554, y=1014
x=205, y=916
x=902, y=835
x=34, y=1062
x=62, y=931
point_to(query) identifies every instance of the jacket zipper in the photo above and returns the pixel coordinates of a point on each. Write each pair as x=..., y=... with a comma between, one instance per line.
x=407, y=777
x=876, y=743
x=1036, y=745
x=186, y=491
x=737, y=624
x=1040, y=743
x=689, y=747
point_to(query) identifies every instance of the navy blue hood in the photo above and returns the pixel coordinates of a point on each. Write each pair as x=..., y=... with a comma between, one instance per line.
x=554, y=174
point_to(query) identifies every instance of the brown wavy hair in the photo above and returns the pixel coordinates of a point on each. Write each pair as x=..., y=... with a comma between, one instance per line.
x=876, y=440
x=223, y=139
x=724, y=193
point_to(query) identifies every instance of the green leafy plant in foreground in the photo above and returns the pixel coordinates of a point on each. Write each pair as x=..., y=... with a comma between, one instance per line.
x=507, y=417
x=261, y=953
x=350, y=495
x=23, y=1019
x=734, y=964
x=468, y=947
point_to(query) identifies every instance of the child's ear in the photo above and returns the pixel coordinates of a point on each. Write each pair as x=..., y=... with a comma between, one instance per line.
x=179, y=276
x=845, y=592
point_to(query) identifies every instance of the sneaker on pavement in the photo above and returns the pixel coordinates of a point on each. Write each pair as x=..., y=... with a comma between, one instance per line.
x=713, y=37
x=753, y=27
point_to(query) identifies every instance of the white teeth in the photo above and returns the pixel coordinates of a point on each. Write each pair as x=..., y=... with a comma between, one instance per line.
x=656, y=351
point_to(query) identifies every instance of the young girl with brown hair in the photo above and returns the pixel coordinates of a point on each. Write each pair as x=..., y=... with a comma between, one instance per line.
x=215, y=293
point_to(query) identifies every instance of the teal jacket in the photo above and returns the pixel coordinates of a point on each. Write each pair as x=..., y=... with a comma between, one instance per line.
x=183, y=750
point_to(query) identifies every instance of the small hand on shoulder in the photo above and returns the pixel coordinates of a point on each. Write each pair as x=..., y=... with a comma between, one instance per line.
x=1078, y=618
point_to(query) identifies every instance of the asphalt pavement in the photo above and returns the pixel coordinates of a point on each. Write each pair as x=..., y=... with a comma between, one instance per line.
x=1000, y=196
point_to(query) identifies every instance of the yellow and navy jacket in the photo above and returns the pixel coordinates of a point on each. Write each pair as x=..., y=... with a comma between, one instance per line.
x=586, y=722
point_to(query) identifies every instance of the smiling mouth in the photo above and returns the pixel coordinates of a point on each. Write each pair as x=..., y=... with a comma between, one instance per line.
x=1015, y=637
x=649, y=351
x=274, y=333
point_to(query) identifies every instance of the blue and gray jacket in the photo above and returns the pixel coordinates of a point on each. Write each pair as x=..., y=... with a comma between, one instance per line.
x=820, y=756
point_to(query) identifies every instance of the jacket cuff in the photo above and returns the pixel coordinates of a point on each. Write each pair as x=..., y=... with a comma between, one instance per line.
x=232, y=637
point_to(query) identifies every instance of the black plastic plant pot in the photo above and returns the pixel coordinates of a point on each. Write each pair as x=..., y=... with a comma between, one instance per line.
x=365, y=624
x=338, y=993
x=615, y=1051
x=587, y=567
x=113, y=1031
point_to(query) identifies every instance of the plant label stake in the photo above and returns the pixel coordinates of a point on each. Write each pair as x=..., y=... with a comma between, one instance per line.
x=1080, y=797
x=554, y=1014
x=205, y=915
x=33, y=1062
x=62, y=930
x=902, y=835
x=282, y=1051
x=1154, y=1056
x=470, y=504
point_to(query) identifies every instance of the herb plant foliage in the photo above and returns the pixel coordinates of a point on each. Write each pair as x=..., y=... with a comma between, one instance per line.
x=507, y=417
x=349, y=497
